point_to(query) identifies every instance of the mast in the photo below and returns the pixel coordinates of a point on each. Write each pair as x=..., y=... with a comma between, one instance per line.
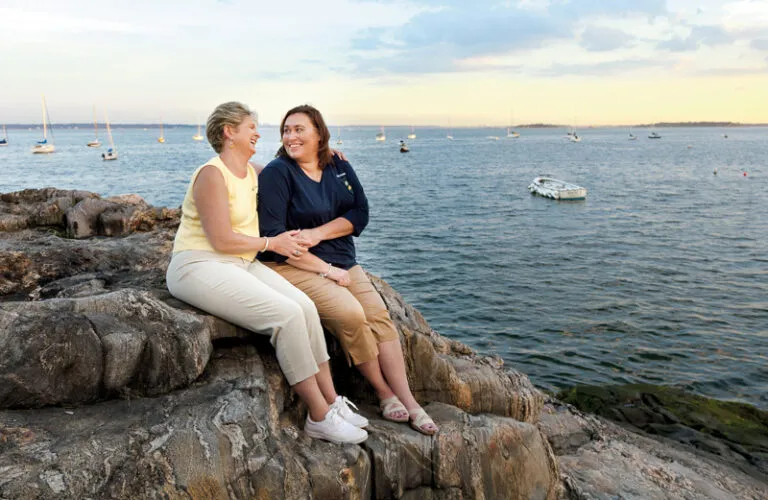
x=45, y=126
x=109, y=131
x=95, y=125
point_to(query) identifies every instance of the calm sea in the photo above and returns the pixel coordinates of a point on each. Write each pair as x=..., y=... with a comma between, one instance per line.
x=660, y=276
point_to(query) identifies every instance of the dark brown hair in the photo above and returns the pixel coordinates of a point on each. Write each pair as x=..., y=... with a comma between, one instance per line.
x=324, y=155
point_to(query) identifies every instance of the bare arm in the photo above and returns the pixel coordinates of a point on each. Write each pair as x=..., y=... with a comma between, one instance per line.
x=337, y=228
x=211, y=200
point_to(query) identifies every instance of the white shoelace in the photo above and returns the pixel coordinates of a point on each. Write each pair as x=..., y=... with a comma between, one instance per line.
x=348, y=403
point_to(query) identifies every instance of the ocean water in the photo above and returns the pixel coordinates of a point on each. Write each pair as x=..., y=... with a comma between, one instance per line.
x=659, y=276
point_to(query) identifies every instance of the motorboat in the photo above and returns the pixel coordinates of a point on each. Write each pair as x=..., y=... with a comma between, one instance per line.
x=556, y=189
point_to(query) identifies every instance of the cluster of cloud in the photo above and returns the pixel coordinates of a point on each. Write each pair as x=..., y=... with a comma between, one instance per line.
x=565, y=37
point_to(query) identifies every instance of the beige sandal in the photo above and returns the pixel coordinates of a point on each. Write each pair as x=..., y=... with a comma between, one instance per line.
x=391, y=406
x=421, y=422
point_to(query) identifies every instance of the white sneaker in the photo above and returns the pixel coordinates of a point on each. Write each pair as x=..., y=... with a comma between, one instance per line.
x=334, y=428
x=343, y=405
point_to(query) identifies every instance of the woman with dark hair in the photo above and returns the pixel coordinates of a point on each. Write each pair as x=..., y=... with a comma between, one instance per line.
x=308, y=188
x=213, y=268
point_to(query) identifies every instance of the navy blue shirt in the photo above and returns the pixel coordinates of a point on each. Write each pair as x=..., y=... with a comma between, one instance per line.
x=289, y=199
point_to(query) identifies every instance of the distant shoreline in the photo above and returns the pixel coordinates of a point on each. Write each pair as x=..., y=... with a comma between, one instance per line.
x=17, y=126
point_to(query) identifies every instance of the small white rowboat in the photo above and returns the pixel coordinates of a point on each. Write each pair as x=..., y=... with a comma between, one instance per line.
x=557, y=189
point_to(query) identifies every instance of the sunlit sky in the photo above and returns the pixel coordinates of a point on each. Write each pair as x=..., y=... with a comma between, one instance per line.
x=419, y=62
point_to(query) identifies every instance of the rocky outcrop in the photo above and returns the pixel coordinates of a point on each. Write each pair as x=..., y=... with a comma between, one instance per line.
x=111, y=388
x=598, y=459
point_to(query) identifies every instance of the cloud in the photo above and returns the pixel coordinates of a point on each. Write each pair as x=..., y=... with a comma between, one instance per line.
x=760, y=44
x=599, y=39
x=446, y=33
x=604, y=68
x=699, y=35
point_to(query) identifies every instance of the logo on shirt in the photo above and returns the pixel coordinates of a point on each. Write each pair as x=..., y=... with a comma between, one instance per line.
x=343, y=177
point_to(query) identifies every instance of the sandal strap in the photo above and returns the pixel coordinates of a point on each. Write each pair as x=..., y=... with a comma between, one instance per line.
x=420, y=419
x=392, y=404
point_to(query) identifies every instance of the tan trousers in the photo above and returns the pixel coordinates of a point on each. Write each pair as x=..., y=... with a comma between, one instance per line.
x=252, y=296
x=356, y=315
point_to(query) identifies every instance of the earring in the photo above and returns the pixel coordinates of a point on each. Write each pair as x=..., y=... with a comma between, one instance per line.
x=231, y=144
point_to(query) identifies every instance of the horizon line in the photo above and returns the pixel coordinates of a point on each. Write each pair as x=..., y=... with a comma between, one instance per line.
x=713, y=123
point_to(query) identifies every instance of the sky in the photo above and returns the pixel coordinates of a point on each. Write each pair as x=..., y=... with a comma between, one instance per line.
x=387, y=62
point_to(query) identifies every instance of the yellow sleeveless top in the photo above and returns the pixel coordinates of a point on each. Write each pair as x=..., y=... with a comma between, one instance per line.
x=243, y=215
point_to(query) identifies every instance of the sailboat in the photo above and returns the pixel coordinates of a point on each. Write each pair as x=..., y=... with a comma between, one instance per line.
x=450, y=131
x=4, y=140
x=632, y=137
x=95, y=143
x=43, y=147
x=111, y=153
x=381, y=136
x=161, y=139
x=412, y=135
x=198, y=136
x=338, y=134
x=654, y=134
x=511, y=134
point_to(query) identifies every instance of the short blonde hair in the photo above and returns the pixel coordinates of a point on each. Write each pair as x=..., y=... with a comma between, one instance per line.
x=230, y=113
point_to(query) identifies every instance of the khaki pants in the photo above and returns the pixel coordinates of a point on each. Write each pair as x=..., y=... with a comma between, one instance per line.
x=356, y=315
x=252, y=296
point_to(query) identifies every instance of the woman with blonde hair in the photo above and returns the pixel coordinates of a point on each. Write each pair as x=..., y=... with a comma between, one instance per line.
x=213, y=269
x=306, y=187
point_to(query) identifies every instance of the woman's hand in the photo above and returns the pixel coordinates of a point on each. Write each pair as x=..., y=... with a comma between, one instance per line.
x=310, y=236
x=339, y=154
x=340, y=276
x=288, y=244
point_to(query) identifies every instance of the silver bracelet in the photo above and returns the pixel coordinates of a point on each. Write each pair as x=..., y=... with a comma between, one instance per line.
x=266, y=244
x=325, y=274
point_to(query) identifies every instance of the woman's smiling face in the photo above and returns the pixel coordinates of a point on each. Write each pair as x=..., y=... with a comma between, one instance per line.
x=300, y=138
x=246, y=135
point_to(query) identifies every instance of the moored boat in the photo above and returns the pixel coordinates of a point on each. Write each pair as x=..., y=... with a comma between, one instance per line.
x=557, y=189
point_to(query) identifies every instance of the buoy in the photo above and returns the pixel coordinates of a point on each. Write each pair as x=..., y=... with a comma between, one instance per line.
x=745, y=174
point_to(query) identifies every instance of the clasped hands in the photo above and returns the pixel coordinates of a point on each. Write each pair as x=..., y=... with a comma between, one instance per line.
x=295, y=243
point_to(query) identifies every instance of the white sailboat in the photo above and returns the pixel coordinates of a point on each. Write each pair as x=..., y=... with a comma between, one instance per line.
x=161, y=139
x=4, y=140
x=381, y=136
x=96, y=143
x=338, y=134
x=412, y=135
x=450, y=131
x=511, y=134
x=632, y=137
x=111, y=153
x=44, y=147
x=198, y=136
